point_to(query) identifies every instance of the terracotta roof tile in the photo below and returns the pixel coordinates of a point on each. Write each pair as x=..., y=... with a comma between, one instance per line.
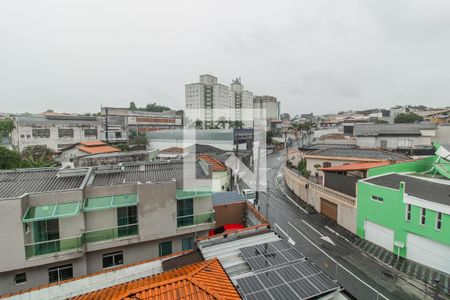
x=92, y=143
x=203, y=280
x=98, y=149
x=217, y=165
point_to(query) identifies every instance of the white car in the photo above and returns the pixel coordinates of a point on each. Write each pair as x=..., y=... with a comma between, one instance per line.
x=249, y=195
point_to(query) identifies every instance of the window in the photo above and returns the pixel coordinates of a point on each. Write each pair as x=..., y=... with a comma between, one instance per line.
x=438, y=221
x=28, y=136
x=20, y=278
x=90, y=132
x=383, y=144
x=326, y=164
x=408, y=212
x=187, y=244
x=60, y=273
x=405, y=143
x=165, y=248
x=68, y=132
x=423, y=212
x=126, y=220
x=185, y=212
x=118, y=135
x=22, y=136
x=40, y=133
x=112, y=259
x=377, y=198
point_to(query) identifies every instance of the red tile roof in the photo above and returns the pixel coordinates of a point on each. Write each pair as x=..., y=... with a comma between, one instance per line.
x=356, y=166
x=176, y=150
x=203, y=280
x=92, y=143
x=98, y=149
x=217, y=165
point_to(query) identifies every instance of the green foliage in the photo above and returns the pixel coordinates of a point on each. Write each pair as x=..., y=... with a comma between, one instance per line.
x=198, y=124
x=123, y=147
x=380, y=121
x=285, y=117
x=9, y=159
x=6, y=127
x=235, y=124
x=138, y=143
x=37, y=152
x=153, y=107
x=407, y=118
x=302, y=168
x=31, y=162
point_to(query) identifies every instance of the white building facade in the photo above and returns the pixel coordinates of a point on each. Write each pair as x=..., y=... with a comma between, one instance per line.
x=209, y=95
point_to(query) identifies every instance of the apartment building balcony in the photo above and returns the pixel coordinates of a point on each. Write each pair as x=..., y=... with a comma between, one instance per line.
x=196, y=222
x=111, y=234
x=71, y=244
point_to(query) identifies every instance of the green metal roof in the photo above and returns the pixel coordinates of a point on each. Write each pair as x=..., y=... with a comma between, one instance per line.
x=193, y=192
x=111, y=201
x=52, y=211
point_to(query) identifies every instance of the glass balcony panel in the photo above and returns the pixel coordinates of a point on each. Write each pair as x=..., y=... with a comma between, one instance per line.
x=53, y=246
x=190, y=220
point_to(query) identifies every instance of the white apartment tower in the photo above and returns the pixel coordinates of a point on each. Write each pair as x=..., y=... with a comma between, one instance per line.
x=208, y=94
x=270, y=104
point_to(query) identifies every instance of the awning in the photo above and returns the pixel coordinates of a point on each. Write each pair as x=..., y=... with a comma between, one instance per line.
x=193, y=193
x=112, y=201
x=52, y=211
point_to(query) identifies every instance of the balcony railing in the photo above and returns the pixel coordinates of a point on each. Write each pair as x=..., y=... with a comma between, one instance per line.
x=53, y=246
x=112, y=233
x=72, y=243
x=191, y=220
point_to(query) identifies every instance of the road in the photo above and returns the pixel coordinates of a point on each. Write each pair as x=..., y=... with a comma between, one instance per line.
x=304, y=227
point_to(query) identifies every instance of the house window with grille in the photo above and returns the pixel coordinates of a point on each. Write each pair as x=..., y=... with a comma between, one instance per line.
x=383, y=144
x=65, y=132
x=90, y=132
x=438, y=221
x=112, y=259
x=20, y=278
x=40, y=132
x=187, y=244
x=165, y=248
x=423, y=212
x=60, y=273
x=408, y=212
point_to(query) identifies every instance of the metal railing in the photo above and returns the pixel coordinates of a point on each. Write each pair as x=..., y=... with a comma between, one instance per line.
x=191, y=220
x=53, y=246
x=108, y=234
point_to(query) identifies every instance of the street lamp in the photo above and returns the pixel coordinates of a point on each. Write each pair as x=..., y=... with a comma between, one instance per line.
x=285, y=131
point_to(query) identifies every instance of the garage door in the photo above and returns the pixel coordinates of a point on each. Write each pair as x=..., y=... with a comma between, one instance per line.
x=428, y=252
x=328, y=209
x=380, y=235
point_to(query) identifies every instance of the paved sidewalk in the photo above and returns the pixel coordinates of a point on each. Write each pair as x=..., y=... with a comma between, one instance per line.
x=403, y=265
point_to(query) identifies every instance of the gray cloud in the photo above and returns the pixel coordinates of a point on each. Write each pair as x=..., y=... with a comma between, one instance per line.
x=319, y=56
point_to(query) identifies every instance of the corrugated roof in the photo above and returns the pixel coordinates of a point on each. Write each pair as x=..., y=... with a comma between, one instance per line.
x=18, y=182
x=217, y=165
x=356, y=167
x=363, y=154
x=416, y=186
x=160, y=171
x=227, y=198
x=203, y=280
x=33, y=120
x=98, y=149
x=391, y=129
x=204, y=134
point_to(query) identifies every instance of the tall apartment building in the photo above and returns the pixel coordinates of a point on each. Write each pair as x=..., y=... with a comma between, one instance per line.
x=54, y=130
x=59, y=224
x=122, y=123
x=208, y=94
x=270, y=104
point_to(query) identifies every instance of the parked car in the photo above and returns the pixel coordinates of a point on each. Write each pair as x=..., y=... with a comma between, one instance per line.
x=249, y=195
x=225, y=228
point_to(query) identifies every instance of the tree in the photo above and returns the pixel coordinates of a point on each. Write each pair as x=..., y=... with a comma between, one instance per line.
x=380, y=121
x=285, y=117
x=408, y=118
x=222, y=123
x=9, y=159
x=6, y=127
x=132, y=106
x=317, y=167
x=153, y=107
x=37, y=152
x=31, y=162
x=235, y=124
x=302, y=169
x=198, y=124
x=138, y=143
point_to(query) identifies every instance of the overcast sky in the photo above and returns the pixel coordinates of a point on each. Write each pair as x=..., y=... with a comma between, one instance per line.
x=318, y=56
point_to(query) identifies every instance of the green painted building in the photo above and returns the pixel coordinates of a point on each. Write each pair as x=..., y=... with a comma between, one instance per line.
x=405, y=208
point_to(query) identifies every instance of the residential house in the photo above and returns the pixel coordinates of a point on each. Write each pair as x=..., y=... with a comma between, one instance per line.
x=66, y=223
x=405, y=208
x=84, y=148
x=221, y=175
x=114, y=158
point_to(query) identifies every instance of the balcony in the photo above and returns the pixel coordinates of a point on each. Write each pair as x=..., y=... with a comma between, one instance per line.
x=77, y=243
x=191, y=220
x=53, y=246
x=110, y=234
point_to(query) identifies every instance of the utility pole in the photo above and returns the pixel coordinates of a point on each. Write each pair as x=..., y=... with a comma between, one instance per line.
x=267, y=202
x=257, y=176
